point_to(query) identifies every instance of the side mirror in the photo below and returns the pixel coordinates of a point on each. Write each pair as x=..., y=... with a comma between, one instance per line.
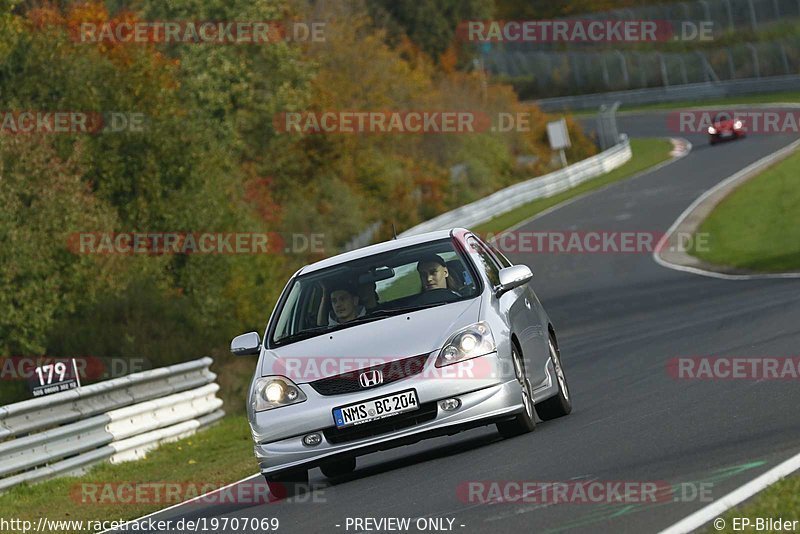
x=246, y=344
x=513, y=277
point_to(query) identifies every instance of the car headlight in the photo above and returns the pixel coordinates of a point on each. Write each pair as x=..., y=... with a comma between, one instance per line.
x=470, y=342
x=737, y=125
x=275, y=391
x=712, y=130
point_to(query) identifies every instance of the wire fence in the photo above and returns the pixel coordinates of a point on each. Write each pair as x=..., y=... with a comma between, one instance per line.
x=555, y=68
x=719, y=17
x=574, y=72
x=725, y=15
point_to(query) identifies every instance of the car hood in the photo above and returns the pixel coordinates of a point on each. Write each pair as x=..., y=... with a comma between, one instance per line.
x=365, y=345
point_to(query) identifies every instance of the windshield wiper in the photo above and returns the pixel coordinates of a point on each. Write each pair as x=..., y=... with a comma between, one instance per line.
x=374, y=316
x=407, y=309
x=305, y=334
x=319, y=330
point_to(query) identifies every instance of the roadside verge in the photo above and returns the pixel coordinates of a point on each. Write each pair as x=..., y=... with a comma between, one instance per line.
x=649, y=154
x=671, y=255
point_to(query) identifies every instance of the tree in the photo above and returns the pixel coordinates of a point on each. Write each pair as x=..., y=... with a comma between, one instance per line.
x=430, y=24
x=44, y=201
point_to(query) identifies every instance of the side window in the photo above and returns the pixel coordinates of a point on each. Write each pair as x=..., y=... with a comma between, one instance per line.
x=287, y=322
x=311, y=306
x=485, y=261
x=500, y=257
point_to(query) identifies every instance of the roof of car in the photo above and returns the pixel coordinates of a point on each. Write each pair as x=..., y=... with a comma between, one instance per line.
x=377, y=248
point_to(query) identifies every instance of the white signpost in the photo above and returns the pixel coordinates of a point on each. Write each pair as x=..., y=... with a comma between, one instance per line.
x=558, y=136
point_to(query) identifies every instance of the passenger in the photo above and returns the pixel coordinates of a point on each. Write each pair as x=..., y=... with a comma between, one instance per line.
x=433, y=272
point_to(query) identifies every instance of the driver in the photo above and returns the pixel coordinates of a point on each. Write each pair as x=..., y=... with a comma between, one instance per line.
x=344, y=302
x=433, y=273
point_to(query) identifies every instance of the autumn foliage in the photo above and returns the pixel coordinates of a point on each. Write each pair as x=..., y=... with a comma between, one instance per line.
x=210, y=160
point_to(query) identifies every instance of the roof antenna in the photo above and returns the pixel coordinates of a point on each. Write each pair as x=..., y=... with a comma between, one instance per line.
x=394, y=232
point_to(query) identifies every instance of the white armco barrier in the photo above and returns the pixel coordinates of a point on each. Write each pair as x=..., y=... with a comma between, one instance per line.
x=116, y=420
x=518, y=194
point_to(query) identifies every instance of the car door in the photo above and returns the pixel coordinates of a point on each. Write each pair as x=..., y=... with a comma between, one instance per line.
x=537, y=327
x=518, y=309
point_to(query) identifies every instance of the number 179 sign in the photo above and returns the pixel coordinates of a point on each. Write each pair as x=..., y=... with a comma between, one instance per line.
x=54, y=377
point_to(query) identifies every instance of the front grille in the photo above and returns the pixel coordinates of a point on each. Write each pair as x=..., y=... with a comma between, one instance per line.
x=392, y=372
x=426, y=412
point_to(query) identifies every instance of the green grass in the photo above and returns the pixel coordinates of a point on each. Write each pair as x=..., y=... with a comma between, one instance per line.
x=770, y=98
x=404, y=285
x=646, y=153
x=781, y=500
x=215, y=456
x=757, y=227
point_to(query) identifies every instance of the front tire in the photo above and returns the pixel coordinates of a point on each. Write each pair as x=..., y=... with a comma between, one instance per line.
x=560, y=404
x=287, y=484
x=525, y=421
x=339, y=468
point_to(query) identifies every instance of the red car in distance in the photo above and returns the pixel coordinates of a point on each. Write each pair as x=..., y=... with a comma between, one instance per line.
x=725, y=128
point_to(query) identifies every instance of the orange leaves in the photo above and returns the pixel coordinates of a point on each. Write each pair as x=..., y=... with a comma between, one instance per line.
x=50, y=15
x=72, y=32
x=94, y=12
x=44, y=17
x=449, y=59
x=258, y=193
x=82, y=22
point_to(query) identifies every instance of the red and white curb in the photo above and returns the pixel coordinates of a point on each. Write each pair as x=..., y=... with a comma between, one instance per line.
x=680, y=147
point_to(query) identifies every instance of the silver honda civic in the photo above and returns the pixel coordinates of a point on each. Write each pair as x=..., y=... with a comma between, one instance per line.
x=396, y=342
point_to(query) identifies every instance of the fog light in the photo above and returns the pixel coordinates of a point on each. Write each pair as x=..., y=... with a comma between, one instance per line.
x=450, y=353
x=449, y=405
x=312, y=440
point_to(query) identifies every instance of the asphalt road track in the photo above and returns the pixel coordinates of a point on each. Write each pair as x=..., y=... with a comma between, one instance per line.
x=620, y=318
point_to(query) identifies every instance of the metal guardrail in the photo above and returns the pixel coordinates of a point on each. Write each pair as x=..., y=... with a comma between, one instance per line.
x=116, y=420
x=518, y=194
x=675, y=93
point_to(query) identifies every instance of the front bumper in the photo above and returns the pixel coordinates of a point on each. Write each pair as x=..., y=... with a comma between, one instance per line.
x=725, y=135
x=478, y=408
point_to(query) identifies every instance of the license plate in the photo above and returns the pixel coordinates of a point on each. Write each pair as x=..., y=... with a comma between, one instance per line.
x=727, y=134
x=373, y=409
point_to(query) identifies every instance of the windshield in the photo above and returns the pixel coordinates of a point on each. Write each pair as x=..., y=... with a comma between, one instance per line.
x=373, y=288
x=722, y=117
